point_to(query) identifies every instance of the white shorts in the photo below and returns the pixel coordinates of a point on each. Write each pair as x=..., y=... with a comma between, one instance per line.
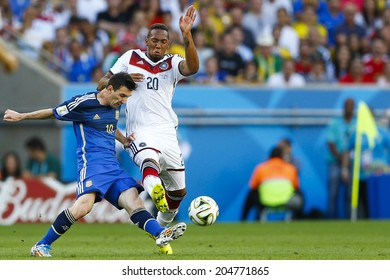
x=164, y=149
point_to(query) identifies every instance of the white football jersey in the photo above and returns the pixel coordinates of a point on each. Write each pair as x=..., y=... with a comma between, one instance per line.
x=150, y=106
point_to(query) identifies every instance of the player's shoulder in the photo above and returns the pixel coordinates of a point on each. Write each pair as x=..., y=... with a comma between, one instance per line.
x=82, y=100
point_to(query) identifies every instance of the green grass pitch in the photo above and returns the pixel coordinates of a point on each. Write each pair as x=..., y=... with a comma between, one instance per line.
x=298, y=240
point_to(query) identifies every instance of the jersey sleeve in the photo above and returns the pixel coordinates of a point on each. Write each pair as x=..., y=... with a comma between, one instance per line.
x=122, y=63
x=70, y=110
x=175, y=65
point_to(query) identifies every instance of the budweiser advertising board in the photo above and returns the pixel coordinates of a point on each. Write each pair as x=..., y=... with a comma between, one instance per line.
x=41, y=200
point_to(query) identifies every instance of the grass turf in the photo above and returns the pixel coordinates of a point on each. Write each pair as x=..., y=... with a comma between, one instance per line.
x=298, y=240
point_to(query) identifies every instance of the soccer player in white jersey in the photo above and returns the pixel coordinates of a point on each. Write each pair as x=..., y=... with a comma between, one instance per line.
x=150, y=117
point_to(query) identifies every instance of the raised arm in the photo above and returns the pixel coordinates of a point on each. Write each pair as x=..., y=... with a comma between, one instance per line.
x=13, y=116
x=190, y=65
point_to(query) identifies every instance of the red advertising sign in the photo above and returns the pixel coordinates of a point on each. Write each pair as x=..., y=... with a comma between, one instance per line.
x=40, y=201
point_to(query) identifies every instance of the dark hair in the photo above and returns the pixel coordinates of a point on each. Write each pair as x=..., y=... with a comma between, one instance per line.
x=4, y=172
x=122, y=79
x=287, y=141
x=35, y=143
x=158, y=26
x=276, y=152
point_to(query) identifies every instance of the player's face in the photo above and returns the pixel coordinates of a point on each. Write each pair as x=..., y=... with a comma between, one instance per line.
x=119, y=97
x=157, y=44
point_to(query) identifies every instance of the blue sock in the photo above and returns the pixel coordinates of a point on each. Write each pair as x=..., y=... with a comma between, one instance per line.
x=62, y=223
x=145, y=221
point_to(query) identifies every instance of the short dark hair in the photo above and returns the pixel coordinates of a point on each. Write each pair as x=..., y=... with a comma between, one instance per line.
x=160, y=26
x=122, y=79
x=35, y=143
x=276, y=152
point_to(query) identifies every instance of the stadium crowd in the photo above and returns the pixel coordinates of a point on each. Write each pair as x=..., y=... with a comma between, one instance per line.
x=269, y=42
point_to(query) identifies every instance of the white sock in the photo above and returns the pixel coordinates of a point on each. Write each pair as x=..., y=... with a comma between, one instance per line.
x=149, y=182
x=164, y=219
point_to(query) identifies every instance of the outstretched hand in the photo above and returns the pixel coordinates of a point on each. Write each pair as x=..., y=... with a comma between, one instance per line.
x=187, y=20
x=12, y=116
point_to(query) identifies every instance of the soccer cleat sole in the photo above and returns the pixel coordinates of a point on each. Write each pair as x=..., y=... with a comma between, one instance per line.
x=158, y=197
x=171, y=233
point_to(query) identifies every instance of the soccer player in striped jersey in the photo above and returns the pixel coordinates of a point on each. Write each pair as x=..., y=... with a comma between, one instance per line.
x=150, y=117
x=95, y=116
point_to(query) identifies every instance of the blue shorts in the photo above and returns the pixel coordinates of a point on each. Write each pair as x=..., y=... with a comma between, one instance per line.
x=107, y=185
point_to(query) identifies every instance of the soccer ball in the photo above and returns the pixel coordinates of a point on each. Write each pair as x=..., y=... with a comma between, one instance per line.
x=203, y=211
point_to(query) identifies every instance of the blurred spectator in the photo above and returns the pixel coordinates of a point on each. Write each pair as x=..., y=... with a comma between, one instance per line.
x=97, y=73
x=314, y=39
x=371, y=18
x=7, y=17
x=46, y=55
x=229, y=60
x=38, y=27
x=250, y=74
x=238, y=36
x=254, y=19
x=79, y=64
x=342, y=60
x=237, y=15
x=153, y=12
x=204, y=52
x=10, y=166
x=126, y=41
x=270, y=8
x=61, y=49
x=93, y=44
x=307, y=20
x=41, y=163
x=384, y=79
x=176, y=8
x=320, y=8
x=349, y=27
x=267, y=62
x=63, y=11
x=212, y=74
x=375, y=61
x=18, y=8
x=356, y=74
x=317, y=74
x=332, y=19
x=129, y=8
x=287, y=77
x=357, y=3
x=303, y=63
x=355, y=45
x=90, y=8
x=339, y=132
x=112, y=19
x=288, y=38
x=139, y=27
x=209, y=26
